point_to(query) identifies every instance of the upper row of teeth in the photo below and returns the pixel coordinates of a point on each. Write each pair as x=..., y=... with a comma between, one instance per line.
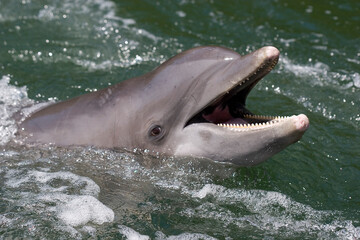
x=273, y=64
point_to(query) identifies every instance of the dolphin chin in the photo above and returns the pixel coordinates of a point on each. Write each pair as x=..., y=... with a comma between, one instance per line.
x=194, y=104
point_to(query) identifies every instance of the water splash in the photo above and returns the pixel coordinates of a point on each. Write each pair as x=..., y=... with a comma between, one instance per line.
x=12, y=99
x=114, y=41
x=341, y=86
x=268, y=211
x=63, y=199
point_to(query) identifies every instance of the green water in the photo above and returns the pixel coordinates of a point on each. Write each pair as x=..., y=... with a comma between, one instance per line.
x=61, y=49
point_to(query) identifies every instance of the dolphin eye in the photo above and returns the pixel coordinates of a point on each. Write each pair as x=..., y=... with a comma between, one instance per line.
x=155, y=131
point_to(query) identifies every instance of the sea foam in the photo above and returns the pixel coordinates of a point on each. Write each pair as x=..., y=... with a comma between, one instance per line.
x=72, y=198
x=12, y=99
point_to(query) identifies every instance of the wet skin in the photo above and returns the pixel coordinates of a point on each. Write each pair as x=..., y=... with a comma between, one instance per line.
x=191, y=105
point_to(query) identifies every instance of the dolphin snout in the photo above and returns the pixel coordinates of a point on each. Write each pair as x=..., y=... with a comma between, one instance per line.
x=301, y=122
x=269, y=52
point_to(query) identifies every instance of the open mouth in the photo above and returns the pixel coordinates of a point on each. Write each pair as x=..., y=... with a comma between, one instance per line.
x=229, y=111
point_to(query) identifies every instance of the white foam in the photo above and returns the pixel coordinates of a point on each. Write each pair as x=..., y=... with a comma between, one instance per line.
x=47, y=13
x=181, y=14
x=131, y=234
x=12, y=99
x=54, y=10
x=127, y=21
x=356, y=80
x=304, y=70
x=287, y=42
x=320, y=74
x=183, y=236
x=269, y=211
x=90, y=230
x=44, y=181
x=4, y=221
x=122, y=34
x=85, y=209
x=72, y=198
x=208, y=189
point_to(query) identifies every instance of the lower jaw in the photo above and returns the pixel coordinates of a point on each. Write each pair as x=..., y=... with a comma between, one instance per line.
x=222, y=117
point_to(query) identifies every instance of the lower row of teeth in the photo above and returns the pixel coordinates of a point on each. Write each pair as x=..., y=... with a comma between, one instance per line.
x=254, y=125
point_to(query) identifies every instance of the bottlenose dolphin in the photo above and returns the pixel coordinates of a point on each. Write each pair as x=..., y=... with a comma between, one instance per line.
x=191, y=105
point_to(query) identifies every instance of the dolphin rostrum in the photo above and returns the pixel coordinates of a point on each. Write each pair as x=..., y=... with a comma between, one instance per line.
x=191, y=105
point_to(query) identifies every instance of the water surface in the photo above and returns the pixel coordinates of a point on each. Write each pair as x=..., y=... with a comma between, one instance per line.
x=54, y=50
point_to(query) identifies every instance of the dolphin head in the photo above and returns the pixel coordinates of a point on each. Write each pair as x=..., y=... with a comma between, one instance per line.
x=192, y=104
x=198, y=107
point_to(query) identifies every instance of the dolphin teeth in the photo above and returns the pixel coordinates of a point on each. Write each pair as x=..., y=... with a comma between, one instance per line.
x=268, y=121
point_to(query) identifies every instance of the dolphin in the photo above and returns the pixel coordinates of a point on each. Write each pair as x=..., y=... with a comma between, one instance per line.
x=191, y=105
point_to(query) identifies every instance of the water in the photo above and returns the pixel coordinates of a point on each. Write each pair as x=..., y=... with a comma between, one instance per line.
x=53, y=50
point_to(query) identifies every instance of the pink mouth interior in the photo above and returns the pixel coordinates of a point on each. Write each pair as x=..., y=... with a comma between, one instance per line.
x=222, y=115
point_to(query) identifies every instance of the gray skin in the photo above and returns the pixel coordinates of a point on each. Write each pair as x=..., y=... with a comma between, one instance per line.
x=174, y=110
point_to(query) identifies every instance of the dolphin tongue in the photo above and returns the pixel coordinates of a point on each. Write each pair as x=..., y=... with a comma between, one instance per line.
x=222, y=115
x=236, y=121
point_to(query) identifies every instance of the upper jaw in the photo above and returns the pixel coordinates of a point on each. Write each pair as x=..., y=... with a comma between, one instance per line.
x=255, y=66
x=248, y=71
